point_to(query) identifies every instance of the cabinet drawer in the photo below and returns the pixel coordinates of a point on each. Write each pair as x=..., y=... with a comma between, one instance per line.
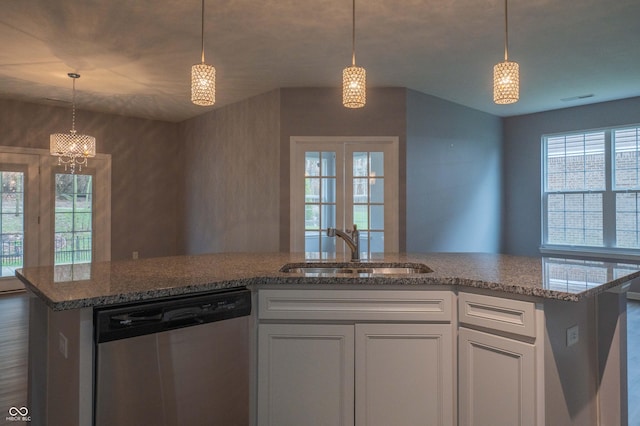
x=382, y=305
x=507, y=315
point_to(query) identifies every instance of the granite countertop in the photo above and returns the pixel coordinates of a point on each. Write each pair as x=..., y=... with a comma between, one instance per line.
x=108, y=283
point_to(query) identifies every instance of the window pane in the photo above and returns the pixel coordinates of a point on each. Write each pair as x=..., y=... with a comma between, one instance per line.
x=575, y=219
x=311, y=190
x=360, y=190
x=377, y=164
x=575, y=162
x=377, y=189
x=73, y=219
x=12, y=221
x=377, y=217
x=376, y=242
x=627, y=217
x=312, y=216
x=626, y=158
x=312, y=164
x=361, y=216
x=361, y=164
x=327, y=216
x=328, y=190
x=328, y=164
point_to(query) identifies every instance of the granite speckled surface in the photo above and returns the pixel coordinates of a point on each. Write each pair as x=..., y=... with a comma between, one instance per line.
x=108, y=283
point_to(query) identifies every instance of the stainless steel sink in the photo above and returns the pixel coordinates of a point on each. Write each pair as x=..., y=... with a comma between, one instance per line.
x=365, y=269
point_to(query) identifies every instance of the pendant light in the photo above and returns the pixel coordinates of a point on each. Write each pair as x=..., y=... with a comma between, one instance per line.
x=203, y=78
x=72, y=149
x=354, y=79
x=506, y=75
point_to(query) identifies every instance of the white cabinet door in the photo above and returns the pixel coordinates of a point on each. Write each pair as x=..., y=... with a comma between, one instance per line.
x=305, y=374
x=404, y=374
x=497, y=380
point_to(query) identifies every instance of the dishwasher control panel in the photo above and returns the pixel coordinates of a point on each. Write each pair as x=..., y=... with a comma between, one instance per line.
x=120, y=322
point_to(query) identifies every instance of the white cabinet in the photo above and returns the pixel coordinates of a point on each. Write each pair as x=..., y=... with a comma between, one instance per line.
x=497, y=380
x=305, y=374
x=404, y=374
x=497, y=362
x=369, y=357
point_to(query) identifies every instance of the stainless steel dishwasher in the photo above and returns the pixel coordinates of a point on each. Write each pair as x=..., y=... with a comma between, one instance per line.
x=177, y=362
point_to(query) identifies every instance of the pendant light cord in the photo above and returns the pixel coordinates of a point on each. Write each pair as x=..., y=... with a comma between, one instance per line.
x=353, y=36
x=506, y=33
x=73, y=107
x=202, y=31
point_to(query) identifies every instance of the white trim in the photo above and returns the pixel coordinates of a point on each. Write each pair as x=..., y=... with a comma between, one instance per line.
x=591, y=252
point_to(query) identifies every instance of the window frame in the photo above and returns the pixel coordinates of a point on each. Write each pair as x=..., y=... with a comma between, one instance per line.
x=608, y=248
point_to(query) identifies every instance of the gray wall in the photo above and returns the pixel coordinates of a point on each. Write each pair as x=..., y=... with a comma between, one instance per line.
x=319, y=112
x=146, y=169
x=453, y=177
x=522, y=163
x=232, y=171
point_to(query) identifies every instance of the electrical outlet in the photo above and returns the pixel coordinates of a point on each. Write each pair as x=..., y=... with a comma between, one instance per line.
x=63, y=345
x=134, y=255
x=572, y=335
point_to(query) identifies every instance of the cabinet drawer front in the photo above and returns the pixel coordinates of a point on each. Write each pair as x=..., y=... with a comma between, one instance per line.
x=511, y=316
x=387, y=305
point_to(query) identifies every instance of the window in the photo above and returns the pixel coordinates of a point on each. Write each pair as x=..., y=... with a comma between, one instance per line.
x=591, y=190
x=50, y=217
x=12, y=221
x=73, y=219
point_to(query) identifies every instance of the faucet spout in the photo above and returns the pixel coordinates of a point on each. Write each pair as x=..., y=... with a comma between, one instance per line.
x=352, y=241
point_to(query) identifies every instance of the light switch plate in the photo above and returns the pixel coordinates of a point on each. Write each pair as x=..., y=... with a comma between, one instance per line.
x=573, y=335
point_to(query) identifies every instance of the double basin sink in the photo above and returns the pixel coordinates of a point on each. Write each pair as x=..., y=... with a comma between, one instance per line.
x=355, y=269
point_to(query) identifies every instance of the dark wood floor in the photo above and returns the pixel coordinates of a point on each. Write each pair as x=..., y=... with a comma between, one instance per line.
x=14, y=318
x=14, y=323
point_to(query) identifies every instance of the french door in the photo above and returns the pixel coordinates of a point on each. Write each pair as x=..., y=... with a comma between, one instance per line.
x=338, y=182
x=48, y=216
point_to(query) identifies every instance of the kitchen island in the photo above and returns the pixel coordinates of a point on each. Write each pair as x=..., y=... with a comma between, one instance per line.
x=568, y=314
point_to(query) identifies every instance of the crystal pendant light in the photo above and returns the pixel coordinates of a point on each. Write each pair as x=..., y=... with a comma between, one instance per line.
x=506, y=75
x=203, y=78
x=354, y=79
x=72, y=149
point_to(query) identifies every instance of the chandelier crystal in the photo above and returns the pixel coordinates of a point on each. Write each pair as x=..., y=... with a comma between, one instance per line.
x=354, y=79
x=506, y=74
x=203, y=78
x=72, y=149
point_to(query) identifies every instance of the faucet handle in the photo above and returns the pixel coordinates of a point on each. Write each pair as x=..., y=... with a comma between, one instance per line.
x=331, y=232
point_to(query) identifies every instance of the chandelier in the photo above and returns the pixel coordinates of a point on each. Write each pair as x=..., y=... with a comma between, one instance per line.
x=72, y=149
x=354, y=79
x=506, y=75
x=203, y=78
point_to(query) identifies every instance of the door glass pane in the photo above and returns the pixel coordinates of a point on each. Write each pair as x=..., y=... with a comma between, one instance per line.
x=377, y=217
x=360, y=164
x=368, y=200
x=377, y=189
x=12, y=221
x=73, y=219
x=320, y=202
x=377, y=164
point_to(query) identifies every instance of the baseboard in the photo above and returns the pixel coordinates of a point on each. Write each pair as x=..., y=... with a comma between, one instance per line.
x=633, y=295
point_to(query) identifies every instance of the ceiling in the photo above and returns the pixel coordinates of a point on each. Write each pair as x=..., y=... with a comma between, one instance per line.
x=134, y=56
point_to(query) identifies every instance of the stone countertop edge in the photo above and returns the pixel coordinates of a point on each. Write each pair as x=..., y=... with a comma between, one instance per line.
x=245, y=278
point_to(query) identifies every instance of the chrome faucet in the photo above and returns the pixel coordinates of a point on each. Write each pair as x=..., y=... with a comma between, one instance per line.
x=352, y=241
